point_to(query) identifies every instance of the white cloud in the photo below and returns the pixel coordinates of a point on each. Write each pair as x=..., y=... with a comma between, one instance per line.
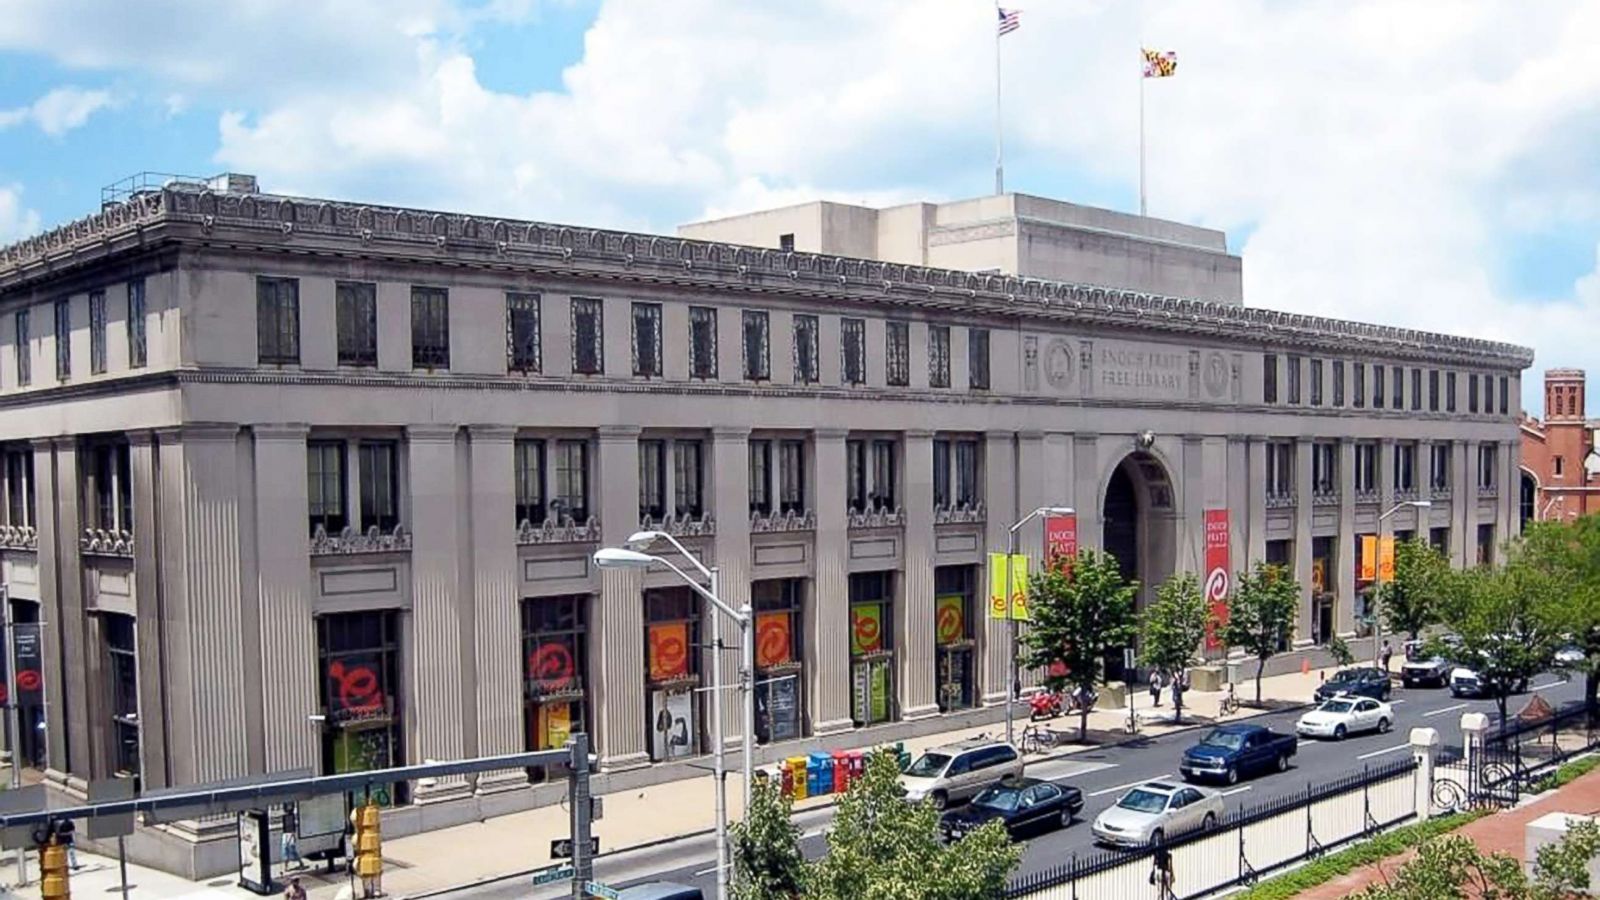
x=16, y=221
x=59, y=111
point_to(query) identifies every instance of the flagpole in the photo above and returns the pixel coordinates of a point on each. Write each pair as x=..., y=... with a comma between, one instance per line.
x=999, y=145
x=1142, y=80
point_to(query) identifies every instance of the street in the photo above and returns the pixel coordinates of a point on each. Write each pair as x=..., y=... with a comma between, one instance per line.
x=1102, y=775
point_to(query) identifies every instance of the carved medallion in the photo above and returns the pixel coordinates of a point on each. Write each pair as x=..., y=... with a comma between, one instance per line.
x=1216, y=375
x=1058, y=364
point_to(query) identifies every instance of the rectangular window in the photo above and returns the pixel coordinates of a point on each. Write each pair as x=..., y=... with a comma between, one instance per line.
x=97, y=333
x=137, y=347
x=1325, y=469
x=978, y=359
x=122, y=671
x=688, y=461
x=1294, y=380
x=938, y=356
x=897, y=364
x=1316, y=382
x=1416, y=390
x=1377, y=387
x=853, y=350
x=363, y=704
x=1366, y=468
x=356, y=321
x=1397, y=397
x=653, y=480
x=1485, y=544
x=1358, y=387
x=647, y=340
x=1280, y=469
x=524, y=340
x=856, y=475
x=872, y=664
x=572, y=480
x=1505, y=401
x=779, y=689
x=702, y=342
x=113, y=488
x=792, y=477
x=1488, y=459
x=1269, y=378
x=786, y=243
x=761, y=478
x=380, y=486
x=24, y=350
x=19, y=488
x=757, y=346
x=325, y=486
x=1440, y=480
x=528, y=457
x=1338, y=383
x=941, y=474
x=883, y=495
x=588, y=337
x=967, y=490
x=1449, y=392
x=430, y=328
x=278, y=321
x=1472, y=392
x=807, y=366
x=63, y=339
x=555, y=654
x=1405, y=468
x=1433, y=390
x=672, y=636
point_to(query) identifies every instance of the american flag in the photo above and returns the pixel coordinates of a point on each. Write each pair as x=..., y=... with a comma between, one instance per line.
x=1010, y=19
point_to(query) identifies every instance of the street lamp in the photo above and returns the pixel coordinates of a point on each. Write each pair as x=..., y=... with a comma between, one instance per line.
x=1377, y=582
x=1014, y=689
x=632, y=556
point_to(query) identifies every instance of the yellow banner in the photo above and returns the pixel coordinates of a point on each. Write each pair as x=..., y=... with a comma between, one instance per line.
x=1019, y=586
x=1369, y=557
x=1386, y=559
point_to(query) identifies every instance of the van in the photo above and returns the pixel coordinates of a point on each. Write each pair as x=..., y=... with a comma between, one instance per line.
x=661, y=890
x=957, y=772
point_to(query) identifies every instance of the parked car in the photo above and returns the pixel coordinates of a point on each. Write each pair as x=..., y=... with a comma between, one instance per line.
x=1156, y=810
x=1229, y=751
x=661, y=890
x=1344, y=715
x=1424, y=671
x=1571, y=655
x=955, y=772
x=1466, y=682
x=1366, y=681
x=1022, y=805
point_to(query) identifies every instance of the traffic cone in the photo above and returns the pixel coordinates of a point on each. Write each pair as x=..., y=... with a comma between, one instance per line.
x=1305, y=665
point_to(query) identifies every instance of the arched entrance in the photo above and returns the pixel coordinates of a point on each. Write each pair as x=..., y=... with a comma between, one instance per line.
x=1139, y=528
x=1529, y=498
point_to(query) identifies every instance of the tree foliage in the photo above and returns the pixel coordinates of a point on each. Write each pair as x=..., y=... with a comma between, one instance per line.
x=1570, y=551
x=768, y=864
x=1340, y=651
x=1262, y=613
x=1422, y=584
x=1172, y=627
x=1453, y=867
x=1077, y=619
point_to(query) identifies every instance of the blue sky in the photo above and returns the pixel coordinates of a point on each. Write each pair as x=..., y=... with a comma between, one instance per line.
x=1370, y=160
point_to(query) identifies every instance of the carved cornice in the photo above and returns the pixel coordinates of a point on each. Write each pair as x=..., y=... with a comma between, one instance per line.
x=280, y=431
x=562, y=530
x=877, y=518
x=966, y=513
x=19, y=537
x=350, y=541
x=564, y=249
x=102, y=542
x=432, y=434
x=681, y=526
x=774, y=523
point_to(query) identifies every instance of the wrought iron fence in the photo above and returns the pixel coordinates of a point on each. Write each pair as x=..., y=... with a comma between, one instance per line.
x=1505, y=764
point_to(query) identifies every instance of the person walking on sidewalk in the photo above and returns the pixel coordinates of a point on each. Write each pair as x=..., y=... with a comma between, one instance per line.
x=1388, y=653
x=1155, y=687
x=295, y=891
x=291, y=837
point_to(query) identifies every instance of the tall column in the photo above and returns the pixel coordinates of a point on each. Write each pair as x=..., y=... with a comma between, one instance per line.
x=915, y=613
x=1463, y=498
x=496, y=621
x=1386, y=495
x=730, y=506
x=1192, y=490
x=147, y=593
x=60, y=598
x=1303, y=505
x=1344, y=566
x=618, y=634
x=1031, y=494
x=827, y=643
x=1000, y=497
x=435, y=667
x=288, y=625
x=1239, y=514
x=1510, y=475
x=1256, y=478
x=1469, y=502
x=1086, y=492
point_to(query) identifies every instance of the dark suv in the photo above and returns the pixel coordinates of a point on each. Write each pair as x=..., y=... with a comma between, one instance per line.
x=1367, y=681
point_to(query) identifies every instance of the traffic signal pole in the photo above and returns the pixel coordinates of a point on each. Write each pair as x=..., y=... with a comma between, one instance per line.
x=13, y=717
x=582, y=814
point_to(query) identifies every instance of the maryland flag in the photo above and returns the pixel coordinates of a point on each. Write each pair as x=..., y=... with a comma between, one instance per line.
x=1160, y=63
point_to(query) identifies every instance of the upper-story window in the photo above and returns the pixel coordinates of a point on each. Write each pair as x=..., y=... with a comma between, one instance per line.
x=572, y=479
x=777, y=476
x=1325, y=469
x=528, y=459
x=356, y=321
x=978, y=359
x=1472, y=392
x=1294, y=380
x=786, y=243
x=807, y=364
x=378, y=465
x=24, y=350
x=97, y=333
x=539, y=499
x=939, y=356
x=588, y=337
x=325, y=485
x=688, y=475
x=1505, y=401
x=652, y=479
x=1405, y=468
x=757, y=345
x=1449, y=392
x=113, y=487
x=278, y=321
x=377, y=485
x=1280, y=469
x=647, y=340
x=19, y=488
x=137, y=346
x=1269, y=378
x=955, y=474
x=1488, y=466
x=702, y=342
x=1377, y=387
x=870, y=476
x=1338, y=382
x=1316, y=382
x=1433, y=390
x=63, y=339
x=430, y=328
x=1366, y=467
x=897, y=362
x=1557, y=466
x=1358, y=385
x=1416, y=390
x=122, y=682
x=1397, y=378
x=524, y=341
x=853, y=350
x=1440, y=468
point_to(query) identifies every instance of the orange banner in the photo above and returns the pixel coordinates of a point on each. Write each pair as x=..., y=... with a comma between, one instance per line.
x=773, y=640
x=1386, y=559
x=669, y=651
x=1369, y=557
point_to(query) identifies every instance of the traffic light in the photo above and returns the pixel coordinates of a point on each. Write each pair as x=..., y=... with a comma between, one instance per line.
x=53, y=877
x=369, y=843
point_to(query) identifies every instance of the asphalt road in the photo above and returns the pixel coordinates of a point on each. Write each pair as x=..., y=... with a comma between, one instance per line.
x=1102, y=775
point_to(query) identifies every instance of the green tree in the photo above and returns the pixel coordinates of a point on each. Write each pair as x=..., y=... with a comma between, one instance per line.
x=1508, y=622
x=883, y=848
x=1453, y=868
x=1262, y=613
x=1570, y=551
x=1077, y=619
x=1422, y=583
x=1340, y=651
x=768, y=864
x=1172, y=627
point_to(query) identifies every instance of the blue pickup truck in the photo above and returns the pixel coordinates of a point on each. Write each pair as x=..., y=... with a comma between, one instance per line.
x=1230, y=751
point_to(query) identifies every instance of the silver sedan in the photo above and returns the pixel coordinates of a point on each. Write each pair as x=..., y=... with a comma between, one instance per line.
x=1156, y=810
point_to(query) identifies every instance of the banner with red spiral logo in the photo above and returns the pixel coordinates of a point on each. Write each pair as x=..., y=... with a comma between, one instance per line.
x=552, y=666
x=1217, y=579
x=950, y=619
x=774, y=640
x=866, y=628
x=669, y=651
x=355, y=690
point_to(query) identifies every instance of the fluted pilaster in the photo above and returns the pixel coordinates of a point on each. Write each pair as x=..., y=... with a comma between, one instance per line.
x=497, y=623
x=1000, y=501
x=1344, y=566
x=147, y=593
x=617, y=638
x=288, y=626
x=827, y=643
x=730, y=504
x=915, y=619
x=1302, y=535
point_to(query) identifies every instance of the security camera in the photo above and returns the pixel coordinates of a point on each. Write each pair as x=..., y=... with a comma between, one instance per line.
x=1146, y=440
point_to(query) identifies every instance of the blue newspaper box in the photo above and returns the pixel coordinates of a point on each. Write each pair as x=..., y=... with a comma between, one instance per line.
x=819, y=774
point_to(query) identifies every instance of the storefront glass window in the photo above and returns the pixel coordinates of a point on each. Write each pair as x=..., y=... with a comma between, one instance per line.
x=359, y=655
x=554, y=661
x=779, y=682
x=952, y=636
x=872, y=647
x=672, y=672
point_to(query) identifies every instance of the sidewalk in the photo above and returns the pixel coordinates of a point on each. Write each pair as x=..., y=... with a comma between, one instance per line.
x=520, y=842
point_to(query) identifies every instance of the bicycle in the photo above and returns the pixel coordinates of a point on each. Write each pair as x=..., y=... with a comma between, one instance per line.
x=1038, y=739
x=1230, y=702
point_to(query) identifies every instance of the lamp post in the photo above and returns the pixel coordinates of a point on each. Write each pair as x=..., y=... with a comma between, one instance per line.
x=1014, y=689
x=632, y=556
x=1377, y=582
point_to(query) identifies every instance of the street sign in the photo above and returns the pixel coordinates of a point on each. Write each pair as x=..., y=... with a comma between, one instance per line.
x=596, y=889
x=554, y=873
x=561, y=848
x=1127, y=658
x=596, y=809
x=110, y=790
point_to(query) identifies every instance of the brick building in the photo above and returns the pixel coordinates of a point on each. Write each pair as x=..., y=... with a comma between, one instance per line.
x=1560, y=463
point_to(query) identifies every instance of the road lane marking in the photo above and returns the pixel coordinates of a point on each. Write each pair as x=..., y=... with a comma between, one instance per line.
x=1123, y=787
x=1237, y=790
x=1440, y=712
x=1382, y=752
x=1546, y=687
x=1395, y=702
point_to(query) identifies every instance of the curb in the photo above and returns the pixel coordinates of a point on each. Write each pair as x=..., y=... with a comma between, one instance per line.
x=657, y=842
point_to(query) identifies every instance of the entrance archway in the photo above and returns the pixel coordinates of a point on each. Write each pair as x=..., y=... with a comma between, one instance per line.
x=1139, y=522
x=1528, y=499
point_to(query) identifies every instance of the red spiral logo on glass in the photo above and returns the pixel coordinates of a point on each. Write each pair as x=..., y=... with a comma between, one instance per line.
x=552, y=667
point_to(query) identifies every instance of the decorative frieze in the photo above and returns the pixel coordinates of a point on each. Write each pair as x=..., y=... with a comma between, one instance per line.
x=105, y=542
x=1325, y=498
x=959, y=514
x=776, y=522
x=1280, y=501
x=1488, y=490
x=19, y=537
x=1369, y=495
x=877, y=518
x=351, y=540
x=680, y=526
x=562, y=530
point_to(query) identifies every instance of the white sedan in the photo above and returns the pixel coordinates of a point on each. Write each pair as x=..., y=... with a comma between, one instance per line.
x=1346, y=714
x=1156, y=810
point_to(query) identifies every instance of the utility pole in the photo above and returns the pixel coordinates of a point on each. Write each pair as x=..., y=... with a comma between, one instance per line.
x=579, y=801
x=13, y=716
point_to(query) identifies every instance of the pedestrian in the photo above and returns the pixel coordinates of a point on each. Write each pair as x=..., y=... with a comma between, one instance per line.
x=1155, y=687
x=1177, y=689
x=64, y=831
x=1161, y=873
x=295, y=891
x=291, y=837
x=1388, y=653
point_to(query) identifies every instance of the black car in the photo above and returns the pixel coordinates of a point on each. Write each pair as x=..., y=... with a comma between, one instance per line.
x=1023, y=805
x=1368, y=681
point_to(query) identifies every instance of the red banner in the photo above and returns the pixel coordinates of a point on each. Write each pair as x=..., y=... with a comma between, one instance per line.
x=1217, y=578
x=1060, y=540
x=669, y=651
x=774, y=643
